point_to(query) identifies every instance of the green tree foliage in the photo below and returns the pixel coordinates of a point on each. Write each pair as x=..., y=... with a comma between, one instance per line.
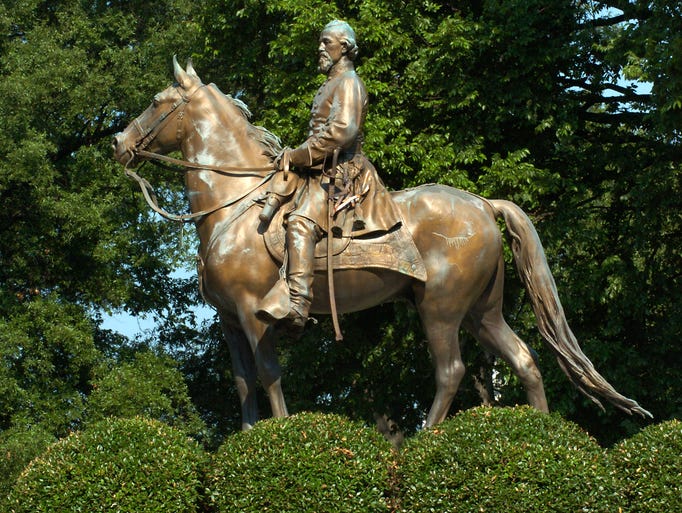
x=73, y=74
x=150, y=386
x=74, y=238
x=48, y=353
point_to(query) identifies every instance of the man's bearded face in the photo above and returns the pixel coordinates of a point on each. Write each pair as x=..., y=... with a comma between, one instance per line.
x=330, y=50
x=324, y=62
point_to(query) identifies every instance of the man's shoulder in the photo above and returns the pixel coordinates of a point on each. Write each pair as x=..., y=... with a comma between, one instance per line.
x=347, y=79
x=348, y=75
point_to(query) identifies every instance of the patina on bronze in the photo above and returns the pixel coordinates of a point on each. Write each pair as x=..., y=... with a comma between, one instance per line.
x=456, y=233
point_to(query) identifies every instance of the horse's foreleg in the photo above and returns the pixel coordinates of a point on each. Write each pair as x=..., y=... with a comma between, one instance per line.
x=244, y=372
x=263, y=340
x=271, y=375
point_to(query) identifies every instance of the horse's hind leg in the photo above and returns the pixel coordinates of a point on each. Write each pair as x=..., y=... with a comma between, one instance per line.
x=494, y=334
x=486, y=323
x=442, y=333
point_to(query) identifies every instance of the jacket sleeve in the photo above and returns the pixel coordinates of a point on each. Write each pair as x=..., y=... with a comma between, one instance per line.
x=341, y=128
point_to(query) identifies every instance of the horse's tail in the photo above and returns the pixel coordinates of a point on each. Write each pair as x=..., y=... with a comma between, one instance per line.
x=531, y=263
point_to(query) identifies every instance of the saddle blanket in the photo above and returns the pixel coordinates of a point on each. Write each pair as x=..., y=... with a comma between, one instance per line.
x=394, y=250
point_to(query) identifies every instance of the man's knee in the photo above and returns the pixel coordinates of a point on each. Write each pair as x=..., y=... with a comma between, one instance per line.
x=304, y=227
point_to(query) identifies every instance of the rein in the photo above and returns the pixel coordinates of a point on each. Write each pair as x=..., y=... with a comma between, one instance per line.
x=150, y=197
x=194, y=165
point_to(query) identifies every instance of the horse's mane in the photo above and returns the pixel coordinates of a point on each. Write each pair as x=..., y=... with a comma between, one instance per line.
x=271, y=144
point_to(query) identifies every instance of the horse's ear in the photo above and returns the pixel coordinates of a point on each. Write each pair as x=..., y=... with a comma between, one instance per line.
x=190, y=69
x=181, y=76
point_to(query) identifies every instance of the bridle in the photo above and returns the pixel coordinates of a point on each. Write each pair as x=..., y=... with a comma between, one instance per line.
x=146, y=136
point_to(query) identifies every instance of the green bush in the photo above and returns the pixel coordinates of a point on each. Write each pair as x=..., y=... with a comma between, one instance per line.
x=505, y=459
x=18, y=447
x=482, y=460
x=123, y=465
x=305, y=463
x=649, y=466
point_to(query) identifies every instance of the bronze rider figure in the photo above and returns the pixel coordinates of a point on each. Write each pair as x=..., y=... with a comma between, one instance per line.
x=336, y=120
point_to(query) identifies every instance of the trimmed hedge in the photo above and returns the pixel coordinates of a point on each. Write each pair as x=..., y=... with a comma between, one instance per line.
x=306, y=463
x=482, y=460
x=649, y=466
x=118, y=465
x=504, y=459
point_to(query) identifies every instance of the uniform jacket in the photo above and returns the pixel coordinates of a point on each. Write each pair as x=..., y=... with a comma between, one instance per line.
x=336, y=120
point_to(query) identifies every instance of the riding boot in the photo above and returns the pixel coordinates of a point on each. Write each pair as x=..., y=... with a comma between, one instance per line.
x=302, y=235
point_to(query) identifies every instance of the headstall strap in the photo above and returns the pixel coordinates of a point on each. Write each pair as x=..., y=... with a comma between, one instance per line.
x=163, y=119
x=178, y=132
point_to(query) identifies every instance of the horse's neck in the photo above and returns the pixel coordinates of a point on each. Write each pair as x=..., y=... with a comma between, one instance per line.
x=220, y=139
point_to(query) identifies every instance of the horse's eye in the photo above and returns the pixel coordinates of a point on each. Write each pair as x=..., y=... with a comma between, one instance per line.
x=155, y=101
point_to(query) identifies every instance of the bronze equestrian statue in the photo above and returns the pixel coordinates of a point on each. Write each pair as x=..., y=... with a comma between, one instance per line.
x=229, y=164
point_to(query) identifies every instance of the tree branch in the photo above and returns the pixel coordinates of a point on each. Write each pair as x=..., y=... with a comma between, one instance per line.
x=618, y=88
x=595, y=95
x=631, y=118
x=603, y=22
x=630, y=12
x=592, y=87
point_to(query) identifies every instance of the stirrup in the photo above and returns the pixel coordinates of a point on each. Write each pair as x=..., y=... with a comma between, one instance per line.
x=294, y=325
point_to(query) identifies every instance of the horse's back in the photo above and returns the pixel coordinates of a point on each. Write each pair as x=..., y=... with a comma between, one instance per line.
x=440, y=211
x=456, y=234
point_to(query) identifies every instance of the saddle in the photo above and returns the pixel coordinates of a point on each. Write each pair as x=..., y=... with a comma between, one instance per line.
x=393, y=250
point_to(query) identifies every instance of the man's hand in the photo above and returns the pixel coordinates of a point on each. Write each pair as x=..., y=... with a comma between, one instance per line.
x=283, y=160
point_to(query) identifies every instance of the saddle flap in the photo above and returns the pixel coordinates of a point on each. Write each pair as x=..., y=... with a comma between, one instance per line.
x=394, y=250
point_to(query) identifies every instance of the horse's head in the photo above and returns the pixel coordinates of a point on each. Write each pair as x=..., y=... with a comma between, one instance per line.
x=159, y=128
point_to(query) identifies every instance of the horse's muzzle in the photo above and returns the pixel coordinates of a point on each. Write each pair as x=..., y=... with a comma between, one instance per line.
x=121, y=153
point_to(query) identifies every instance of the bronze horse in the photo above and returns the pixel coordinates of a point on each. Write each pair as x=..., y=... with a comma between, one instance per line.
x=228, y=162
